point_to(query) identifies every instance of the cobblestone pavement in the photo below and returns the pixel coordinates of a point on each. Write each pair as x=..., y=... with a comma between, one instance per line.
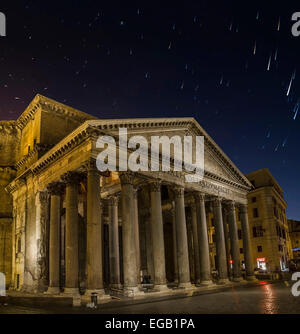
x=265, y=298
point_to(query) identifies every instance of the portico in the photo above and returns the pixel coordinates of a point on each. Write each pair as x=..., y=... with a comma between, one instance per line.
x=121, y=230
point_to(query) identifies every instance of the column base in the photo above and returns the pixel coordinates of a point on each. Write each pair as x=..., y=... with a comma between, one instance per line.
x=74, y=294
x=186, y=285
x=52, y=290
x=71, y=292
x=133, y=292
x=161, y=287
x=251, y=278
x=223, y=281
x=237, y=279
x=116, y=286
x=206, y=283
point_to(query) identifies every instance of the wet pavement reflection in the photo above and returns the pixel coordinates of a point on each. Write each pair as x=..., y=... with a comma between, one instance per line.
x=263, y=298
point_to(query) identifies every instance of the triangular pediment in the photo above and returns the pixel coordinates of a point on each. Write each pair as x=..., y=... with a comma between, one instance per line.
x=216, y=162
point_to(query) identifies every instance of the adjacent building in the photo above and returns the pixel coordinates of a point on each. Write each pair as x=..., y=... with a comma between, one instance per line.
x=271, y=244
x=294, y=232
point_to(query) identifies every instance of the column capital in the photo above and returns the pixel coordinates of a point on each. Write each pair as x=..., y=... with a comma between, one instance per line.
x=243, y=208
x=43, y=196
x=178, y=191
x=113, y=200
x=71, y=177
x=193, y=207
x=155, y=186
x=217, y=201
x=126, y=178
x=231, y=205
x=91, y=166
x=198, y=196
x=55, y=188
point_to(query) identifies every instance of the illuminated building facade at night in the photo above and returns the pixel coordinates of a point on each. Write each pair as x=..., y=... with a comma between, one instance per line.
x=294, y=232
x=66, y=227
x=269, y=232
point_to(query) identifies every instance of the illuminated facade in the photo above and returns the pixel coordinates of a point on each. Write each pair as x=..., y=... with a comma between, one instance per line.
x=294, y=232
x=69, y=228
x=270, y=239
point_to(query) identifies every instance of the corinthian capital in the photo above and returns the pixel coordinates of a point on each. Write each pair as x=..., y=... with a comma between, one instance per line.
x=155, y=186
x=198, y=196
x=126, y=178
x=113, y=200
x=178, y=191
x=243, y=208
x=71, y=177
x=231, y=206
x=55, y=188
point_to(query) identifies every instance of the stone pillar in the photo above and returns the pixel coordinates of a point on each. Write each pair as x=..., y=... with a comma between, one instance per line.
x=234, y=242
x=181, y=236
x=42, y=234
x=55, y=190
x=220, y=241
x=137, y=235
x=71, y=246
x=246, y=242
x=227, y=241
x=205, y=270
x=174, y=244
x=157, y=229
x=149, y=248
x=128, y=232
x=114, y=242
x=190, y=248
x=196, y=245
x=94, y=232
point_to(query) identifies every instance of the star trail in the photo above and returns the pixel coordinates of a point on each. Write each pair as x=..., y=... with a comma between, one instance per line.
x=233, y=66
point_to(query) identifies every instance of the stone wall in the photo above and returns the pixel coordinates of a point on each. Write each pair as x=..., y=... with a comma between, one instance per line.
x=9, y=138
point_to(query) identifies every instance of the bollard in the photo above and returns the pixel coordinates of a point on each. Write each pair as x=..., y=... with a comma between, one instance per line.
x=94, y=299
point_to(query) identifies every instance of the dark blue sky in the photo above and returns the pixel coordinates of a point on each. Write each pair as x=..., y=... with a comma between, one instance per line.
x=146, y=59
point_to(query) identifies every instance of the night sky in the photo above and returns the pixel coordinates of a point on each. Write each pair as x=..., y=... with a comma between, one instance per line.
x=228, y=64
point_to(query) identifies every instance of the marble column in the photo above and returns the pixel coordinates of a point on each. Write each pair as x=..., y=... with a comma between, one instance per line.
x=181, y=236
x=137, y=235
x=196, y=244
x=149, y=248
x=71, y=246
x=128, y=232
x=114, y=242
x=220, y=241
x=247, y=249
x=94, y=232
x=234, y=242
x=55, y=189
x=205, y=270
x=174, y=244
x=227, y=241
x=157, y=229
x=190, y=248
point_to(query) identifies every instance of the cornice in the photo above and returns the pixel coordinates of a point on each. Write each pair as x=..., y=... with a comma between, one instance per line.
x=38, y=148
x=94, y=128
x=41, y=101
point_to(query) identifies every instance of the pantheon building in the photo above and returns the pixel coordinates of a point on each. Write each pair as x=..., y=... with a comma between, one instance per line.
x=68, y=229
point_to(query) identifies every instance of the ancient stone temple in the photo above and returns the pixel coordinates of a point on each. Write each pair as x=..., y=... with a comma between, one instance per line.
x=67, y=228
